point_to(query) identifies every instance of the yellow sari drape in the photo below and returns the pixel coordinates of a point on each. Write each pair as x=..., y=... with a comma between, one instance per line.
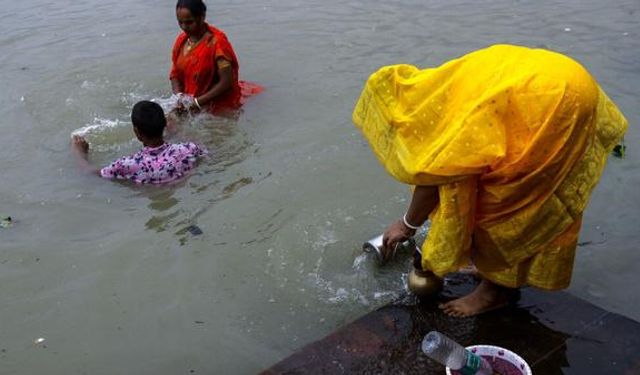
x=516, y=140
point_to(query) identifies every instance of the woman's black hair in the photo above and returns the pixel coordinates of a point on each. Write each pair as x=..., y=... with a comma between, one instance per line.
x=148, y=118
x=196, y=7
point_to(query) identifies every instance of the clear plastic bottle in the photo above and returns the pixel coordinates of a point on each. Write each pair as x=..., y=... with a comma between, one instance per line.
x=449, y=353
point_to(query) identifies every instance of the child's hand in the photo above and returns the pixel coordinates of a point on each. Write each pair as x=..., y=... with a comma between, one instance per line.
x=80, y=144
x=172, y=123
x=81, y=148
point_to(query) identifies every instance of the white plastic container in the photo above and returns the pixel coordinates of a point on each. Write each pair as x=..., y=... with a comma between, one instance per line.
x=505, y=354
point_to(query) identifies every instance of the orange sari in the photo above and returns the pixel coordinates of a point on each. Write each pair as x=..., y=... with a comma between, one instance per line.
x=198, y=69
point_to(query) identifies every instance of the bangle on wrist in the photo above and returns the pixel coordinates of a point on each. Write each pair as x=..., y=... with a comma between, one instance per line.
x=195, y=100
x=406, y=223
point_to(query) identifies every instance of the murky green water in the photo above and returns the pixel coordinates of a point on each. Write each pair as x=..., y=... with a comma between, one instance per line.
x=109, y=275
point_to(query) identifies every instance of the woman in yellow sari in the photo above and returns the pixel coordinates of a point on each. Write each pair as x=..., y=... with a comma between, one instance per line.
x=504, y=146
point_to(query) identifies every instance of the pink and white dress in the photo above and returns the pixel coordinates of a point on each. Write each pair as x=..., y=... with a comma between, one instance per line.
x=155, y=165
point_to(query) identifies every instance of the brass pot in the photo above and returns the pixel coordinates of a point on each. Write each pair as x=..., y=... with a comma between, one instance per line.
x=423, y=283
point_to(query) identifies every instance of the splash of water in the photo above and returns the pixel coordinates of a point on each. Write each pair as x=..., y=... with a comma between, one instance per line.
x=167, y=104
x=99, y=125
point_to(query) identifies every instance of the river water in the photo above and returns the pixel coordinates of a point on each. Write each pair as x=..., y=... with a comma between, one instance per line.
x=110, y=276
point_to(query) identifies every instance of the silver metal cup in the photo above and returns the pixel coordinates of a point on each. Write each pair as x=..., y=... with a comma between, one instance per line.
x=375, y=247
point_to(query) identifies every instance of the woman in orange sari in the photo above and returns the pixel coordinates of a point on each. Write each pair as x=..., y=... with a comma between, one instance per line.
x=504, y=146
x=204, y=66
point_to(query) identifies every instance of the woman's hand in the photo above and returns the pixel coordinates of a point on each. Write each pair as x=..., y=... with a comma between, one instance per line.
x=394, y=235
x=185, y=101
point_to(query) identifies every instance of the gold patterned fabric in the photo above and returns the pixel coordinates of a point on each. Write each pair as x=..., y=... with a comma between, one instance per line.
x=515, y=139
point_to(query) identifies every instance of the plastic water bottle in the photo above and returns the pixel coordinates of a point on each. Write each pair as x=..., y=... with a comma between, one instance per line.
x=449, y=353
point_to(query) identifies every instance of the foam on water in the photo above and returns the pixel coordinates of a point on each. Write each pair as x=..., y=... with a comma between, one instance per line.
x=111, y=134
x=99, y=125
x=361, y=261
x=363, y=284
x=167, y=104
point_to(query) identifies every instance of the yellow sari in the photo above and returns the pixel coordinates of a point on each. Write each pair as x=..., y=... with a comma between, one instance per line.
x=516, y=140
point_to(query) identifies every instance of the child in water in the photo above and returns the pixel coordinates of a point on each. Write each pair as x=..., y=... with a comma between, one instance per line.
x=158, y=162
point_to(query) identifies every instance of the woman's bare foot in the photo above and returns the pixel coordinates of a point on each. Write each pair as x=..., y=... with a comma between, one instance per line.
x=485, y=297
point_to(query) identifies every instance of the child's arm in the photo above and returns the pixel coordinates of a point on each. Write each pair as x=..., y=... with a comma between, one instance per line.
x=80, y=147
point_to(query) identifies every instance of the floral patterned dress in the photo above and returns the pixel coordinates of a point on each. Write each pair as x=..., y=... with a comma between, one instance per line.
x=155, y=165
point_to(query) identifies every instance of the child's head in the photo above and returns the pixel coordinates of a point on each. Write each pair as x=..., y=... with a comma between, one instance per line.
x=148, y=119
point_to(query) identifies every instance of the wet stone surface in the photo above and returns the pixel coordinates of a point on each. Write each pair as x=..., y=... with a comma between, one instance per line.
x=555, y=332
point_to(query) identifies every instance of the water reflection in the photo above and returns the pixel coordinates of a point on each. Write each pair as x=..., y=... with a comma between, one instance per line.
x=161, y=201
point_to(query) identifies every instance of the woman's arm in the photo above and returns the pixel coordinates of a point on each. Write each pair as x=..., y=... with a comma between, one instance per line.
x=423, y=201
x=225, y=72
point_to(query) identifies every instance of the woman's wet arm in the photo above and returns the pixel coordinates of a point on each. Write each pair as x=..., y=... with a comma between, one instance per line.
x=423, y=201
x=223, y=85
x=176, y=86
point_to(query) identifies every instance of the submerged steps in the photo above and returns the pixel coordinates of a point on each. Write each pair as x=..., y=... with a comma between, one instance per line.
x=555, y=332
